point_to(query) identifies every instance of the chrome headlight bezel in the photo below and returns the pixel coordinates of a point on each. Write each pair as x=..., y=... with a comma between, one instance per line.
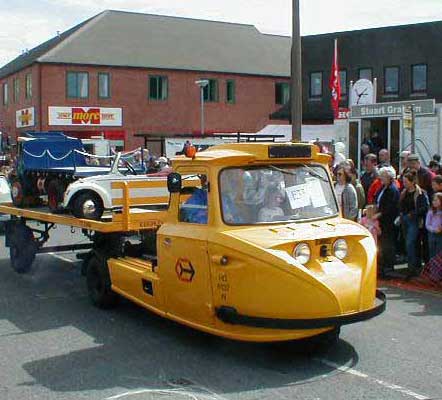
x=340, y=249
x=302, y=253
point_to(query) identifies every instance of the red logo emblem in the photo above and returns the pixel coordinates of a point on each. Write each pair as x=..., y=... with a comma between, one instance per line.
x=83, y=117
x=184, y=270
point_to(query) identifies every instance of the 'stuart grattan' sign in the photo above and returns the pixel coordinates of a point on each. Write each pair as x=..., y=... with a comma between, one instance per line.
x=396, y=109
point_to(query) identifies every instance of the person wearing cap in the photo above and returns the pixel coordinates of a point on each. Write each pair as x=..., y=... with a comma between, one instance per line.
x=424, y=176
x=194, y=210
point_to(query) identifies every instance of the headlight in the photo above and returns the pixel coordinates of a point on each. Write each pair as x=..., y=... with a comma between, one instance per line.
x=340, y=248
x=302, y=253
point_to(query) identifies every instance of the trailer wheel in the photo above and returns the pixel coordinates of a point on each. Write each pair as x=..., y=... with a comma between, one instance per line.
x=17, y=193
x=22, y=247
x=87, y=205
x=55, y=195
x=99, y=283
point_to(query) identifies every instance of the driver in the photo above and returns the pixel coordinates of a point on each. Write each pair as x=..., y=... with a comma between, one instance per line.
x=195, y=207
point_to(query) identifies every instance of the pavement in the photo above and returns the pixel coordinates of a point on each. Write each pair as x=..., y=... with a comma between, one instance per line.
x=55, y=345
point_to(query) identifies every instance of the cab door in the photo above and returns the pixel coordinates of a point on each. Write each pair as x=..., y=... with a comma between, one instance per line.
x=183, y=256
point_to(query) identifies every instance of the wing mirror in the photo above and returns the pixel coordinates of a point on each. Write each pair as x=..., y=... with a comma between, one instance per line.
x=174, y=182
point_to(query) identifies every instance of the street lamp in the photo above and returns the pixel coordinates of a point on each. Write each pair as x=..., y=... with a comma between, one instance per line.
x=202, y=83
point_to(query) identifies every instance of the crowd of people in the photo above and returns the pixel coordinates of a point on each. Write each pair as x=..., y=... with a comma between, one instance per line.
x=402, y=209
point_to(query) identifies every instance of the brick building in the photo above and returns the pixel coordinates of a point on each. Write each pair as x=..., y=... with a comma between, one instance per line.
x=122, y=73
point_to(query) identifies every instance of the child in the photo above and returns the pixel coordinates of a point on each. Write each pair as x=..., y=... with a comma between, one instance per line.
x=433, y=223
x=370, y=223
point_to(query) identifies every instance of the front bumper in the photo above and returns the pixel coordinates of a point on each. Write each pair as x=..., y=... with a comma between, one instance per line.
x=229, y=315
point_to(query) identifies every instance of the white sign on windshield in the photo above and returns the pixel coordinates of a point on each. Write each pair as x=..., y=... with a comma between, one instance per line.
x=298, y=196
x=306, y=194
x=317, y=195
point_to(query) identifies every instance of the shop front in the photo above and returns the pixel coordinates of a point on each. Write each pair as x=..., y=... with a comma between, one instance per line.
x=381, y=125
x=89, y=122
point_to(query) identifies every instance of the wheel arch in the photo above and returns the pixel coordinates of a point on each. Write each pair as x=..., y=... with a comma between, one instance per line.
x=97, y=191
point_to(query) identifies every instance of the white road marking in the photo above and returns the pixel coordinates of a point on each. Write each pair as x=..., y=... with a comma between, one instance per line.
x=171, y=392
x=348, y=370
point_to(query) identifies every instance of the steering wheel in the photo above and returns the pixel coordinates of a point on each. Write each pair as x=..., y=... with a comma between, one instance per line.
x=130, y=168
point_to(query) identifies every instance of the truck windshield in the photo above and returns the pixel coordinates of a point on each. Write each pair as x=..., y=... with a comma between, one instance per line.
x=269, y=194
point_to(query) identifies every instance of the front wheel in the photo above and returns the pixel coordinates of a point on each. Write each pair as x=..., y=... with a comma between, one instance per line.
x=17, y=193
x=87, y=205
x=99, y=283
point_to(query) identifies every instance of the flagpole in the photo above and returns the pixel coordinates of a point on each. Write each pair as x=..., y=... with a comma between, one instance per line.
x=296, y=77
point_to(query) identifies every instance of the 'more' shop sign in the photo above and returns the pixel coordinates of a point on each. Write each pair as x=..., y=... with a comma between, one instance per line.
x=95, y=116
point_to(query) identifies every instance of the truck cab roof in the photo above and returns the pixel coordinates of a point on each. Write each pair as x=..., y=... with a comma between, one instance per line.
x=243, y=153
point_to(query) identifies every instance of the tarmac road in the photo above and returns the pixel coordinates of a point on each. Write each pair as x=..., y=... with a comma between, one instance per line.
x=55, y=345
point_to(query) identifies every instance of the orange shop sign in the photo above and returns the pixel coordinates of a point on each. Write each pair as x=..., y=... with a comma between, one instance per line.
x=91, y=116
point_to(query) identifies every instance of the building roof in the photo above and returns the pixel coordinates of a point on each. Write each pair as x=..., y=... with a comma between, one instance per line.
x=117, y=38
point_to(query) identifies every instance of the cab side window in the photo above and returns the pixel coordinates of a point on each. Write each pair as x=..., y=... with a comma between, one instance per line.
x=193, y=204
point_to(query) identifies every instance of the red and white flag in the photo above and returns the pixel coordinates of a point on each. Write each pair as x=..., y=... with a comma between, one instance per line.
x=335, y=83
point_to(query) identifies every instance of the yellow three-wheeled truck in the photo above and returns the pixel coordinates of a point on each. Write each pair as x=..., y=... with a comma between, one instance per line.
x=251, y=246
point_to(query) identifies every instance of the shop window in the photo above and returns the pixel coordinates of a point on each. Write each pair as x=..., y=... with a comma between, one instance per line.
x=103, y=85
x=77, y=84
x=366, y=73
x=343, y=81
x=28, y=86
x=5, y=94
x=211, y=90
x=282, y=93
x=391, y=80
x=230, y=91
x=419, y=78
x=16, y=88
x=158, y=88
x=315, y=84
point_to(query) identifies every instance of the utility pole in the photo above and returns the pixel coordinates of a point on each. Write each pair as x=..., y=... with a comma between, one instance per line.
x=296, y=74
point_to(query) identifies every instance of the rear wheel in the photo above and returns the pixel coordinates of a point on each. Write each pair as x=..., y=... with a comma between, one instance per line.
x=87, y=205
x=99, y=283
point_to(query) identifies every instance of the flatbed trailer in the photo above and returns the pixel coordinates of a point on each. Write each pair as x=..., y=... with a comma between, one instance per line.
x=25, y=240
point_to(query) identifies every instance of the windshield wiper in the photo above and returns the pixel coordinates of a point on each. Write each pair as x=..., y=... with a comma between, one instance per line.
x=310, y=171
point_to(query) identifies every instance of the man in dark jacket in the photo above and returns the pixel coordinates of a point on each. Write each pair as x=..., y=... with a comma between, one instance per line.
x=424, y=176
x=371, y=172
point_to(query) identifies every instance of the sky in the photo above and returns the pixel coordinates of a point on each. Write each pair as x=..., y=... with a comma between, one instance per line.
x=26, y=23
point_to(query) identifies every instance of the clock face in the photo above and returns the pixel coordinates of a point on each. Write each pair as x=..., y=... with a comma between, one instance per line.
x=362, y=92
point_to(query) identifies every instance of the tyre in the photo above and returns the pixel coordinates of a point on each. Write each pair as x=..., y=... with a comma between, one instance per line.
x=55, y=195
x=99, y=283
x=17, y=193
x=87, y=205
x=22, y=247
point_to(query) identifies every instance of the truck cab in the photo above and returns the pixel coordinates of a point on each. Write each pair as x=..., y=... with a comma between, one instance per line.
x=253, y=248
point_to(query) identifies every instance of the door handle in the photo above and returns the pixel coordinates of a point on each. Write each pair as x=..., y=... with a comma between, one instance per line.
x=167, y=241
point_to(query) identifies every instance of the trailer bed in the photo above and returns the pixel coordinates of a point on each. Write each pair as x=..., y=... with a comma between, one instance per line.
x=135, y=220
